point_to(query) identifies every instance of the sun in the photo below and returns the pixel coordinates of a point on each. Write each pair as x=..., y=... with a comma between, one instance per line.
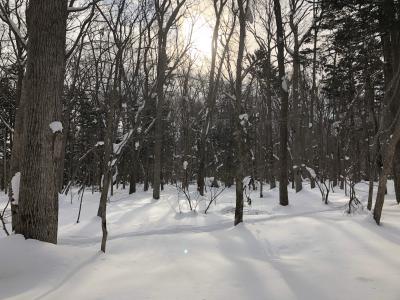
x=199, y=33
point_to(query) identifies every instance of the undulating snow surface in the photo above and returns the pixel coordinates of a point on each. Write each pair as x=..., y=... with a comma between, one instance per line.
x=307, y=250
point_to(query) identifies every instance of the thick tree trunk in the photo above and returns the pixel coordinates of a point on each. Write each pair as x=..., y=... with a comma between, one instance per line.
x=391, y=43
x=390, y=149
x=283, y=178
x=388, y=160
x=41, y=95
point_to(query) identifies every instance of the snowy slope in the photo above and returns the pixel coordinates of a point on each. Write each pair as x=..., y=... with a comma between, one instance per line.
x=307, y=250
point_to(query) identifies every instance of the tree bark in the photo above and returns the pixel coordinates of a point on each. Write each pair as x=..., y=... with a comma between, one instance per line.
x=283, y=178
x=388, y=160
x=41, y=95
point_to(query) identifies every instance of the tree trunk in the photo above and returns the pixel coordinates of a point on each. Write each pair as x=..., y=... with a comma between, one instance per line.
x=238, y=111
x=268, y=129
x=296, y=118
x=132, y=174
x=107, y=179
x=211, y=97
x=283, y=178
x=42, y=94
x=391, y=43
x=161, y=68
x=390, y=153
x=17, y=145
x=396, y=173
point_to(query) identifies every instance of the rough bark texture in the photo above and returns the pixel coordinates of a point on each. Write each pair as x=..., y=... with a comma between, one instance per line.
x=283, y=181
x=391, y=52
x=41, y=95
x=388, y=160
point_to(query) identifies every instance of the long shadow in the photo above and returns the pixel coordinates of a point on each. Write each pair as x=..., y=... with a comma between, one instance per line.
x=296, y=284
x=183, y=228
x=68, y=276
x=158, y=231
x=371, y=228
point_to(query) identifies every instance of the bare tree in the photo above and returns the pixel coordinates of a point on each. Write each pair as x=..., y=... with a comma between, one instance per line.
x=283, y=178
x=166, y=17
x=211, y=94
x=243, y=9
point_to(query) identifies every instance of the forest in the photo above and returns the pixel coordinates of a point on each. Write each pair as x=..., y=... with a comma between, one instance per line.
x=238, y=149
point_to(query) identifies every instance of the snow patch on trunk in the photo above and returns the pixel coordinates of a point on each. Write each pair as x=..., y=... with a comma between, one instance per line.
x=15, y=181
x=56, y=126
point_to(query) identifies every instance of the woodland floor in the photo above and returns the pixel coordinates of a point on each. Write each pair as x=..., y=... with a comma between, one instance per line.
x=307, y=250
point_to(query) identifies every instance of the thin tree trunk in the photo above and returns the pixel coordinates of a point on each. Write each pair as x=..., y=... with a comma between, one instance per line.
x=270, y=145
x=16, y=151
x=161, y=68
x=238, y=112
x=283, y=179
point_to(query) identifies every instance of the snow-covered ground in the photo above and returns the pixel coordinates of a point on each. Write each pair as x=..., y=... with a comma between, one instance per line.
x=307, y=250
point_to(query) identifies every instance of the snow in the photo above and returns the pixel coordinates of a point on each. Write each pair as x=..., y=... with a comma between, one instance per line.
x=185, y=165
x=112, y=163
x=15, y=183
x=101, y=143
x=285, y=84
x=243, y=119
x=117, y=147
x=312, y=172
x=56, y=126
x=305, y=251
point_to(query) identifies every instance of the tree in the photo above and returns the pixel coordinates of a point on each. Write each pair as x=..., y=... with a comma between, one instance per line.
x=42, y=127
x=166, y=18
x=283, y=178
x=212, y=92
x=240, y=117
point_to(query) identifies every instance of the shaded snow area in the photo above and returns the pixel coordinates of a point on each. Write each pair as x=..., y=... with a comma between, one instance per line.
x=306, y=250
